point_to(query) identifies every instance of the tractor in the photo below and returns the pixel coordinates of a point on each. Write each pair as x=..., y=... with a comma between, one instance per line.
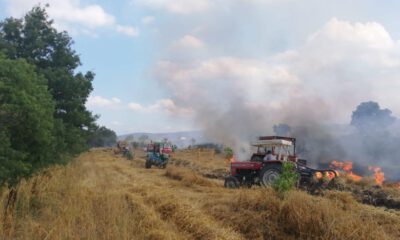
x=123, y=148
x=262, y=172
x=158, y=154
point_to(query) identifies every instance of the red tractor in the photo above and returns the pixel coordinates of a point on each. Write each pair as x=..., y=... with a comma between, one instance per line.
x=264, y=170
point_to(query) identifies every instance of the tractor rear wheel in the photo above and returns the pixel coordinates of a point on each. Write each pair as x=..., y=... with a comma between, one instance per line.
x=148, y=164
x=231, y=182
x=269, y=174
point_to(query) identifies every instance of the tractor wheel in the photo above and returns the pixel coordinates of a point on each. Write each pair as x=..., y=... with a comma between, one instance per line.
x=231, y=182
x=148, y=164
x=269, y=174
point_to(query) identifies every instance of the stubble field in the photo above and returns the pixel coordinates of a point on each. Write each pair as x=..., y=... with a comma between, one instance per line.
x=101, y=195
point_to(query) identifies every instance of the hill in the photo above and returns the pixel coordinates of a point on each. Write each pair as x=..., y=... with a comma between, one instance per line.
x=101, y=195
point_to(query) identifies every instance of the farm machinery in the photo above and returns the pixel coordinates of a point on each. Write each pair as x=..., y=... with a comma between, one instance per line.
x=158, y=154
x=123, y=148
x=262, y=170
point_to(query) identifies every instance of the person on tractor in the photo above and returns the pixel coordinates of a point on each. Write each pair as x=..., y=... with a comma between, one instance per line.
x=269, y=156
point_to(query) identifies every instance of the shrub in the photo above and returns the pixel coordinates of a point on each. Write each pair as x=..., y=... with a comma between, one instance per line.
x=228, y=152
x=287, y=180
x=129, y=155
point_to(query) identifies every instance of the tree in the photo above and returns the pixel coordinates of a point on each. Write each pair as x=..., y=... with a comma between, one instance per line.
x=26, y=121
x=369, y=117
x=103, y=137
x=43, y=118
x=35, y=39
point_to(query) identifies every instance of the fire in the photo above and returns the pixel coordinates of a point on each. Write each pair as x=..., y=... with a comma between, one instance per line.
x=328, y=175
x=379, y=175
x=347, y=167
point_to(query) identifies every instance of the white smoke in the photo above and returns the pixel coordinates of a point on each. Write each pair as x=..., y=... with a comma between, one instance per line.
x=311, y=87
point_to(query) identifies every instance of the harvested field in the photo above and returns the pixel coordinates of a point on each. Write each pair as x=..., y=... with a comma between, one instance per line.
x=104, y=196
x=202, y=161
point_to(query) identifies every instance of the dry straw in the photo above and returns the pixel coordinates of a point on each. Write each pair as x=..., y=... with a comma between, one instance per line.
x=103, y=196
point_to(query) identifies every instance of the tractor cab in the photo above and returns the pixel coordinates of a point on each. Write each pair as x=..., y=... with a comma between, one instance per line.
x=282, y=148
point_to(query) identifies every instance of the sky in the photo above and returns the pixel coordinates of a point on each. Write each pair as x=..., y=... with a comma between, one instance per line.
x=174, y=65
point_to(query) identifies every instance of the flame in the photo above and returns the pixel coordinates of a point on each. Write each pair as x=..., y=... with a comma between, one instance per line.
x=318, y=175
x=347, y=167
x=328, y=175
x=378, y=173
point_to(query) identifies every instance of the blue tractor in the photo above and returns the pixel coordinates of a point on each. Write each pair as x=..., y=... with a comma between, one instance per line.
x=157, y=155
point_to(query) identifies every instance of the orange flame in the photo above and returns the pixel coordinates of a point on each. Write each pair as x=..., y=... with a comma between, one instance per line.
x=379, y=175
x=328, y=175
x=347, y=167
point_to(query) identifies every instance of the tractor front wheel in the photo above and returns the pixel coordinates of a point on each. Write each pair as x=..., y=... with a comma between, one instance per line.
x=231, y=182
x=269, y=175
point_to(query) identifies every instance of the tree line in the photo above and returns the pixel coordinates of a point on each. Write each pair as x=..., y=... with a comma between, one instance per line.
x=43, y=118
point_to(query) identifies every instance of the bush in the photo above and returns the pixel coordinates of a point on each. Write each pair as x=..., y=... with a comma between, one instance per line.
x=287, y=180
x=128, y=155
x=228, y=153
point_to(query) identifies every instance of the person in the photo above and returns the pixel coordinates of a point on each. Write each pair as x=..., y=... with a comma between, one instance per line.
x=269, y=156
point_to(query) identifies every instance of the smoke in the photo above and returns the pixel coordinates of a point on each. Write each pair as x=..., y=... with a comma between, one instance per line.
x=312, y=88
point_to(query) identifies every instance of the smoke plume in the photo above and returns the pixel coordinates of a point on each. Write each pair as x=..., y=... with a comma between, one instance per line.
x=313, y=89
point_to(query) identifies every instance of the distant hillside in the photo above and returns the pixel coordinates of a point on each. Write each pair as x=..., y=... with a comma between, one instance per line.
x=181, y=139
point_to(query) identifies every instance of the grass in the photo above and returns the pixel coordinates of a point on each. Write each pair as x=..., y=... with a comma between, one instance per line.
x=202, y=161
x=104, y=196
x=188, y=177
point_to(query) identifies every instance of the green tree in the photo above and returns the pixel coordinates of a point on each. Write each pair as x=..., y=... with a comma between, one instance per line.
x=35, y=39
x=103, y=137
x=26, y=120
